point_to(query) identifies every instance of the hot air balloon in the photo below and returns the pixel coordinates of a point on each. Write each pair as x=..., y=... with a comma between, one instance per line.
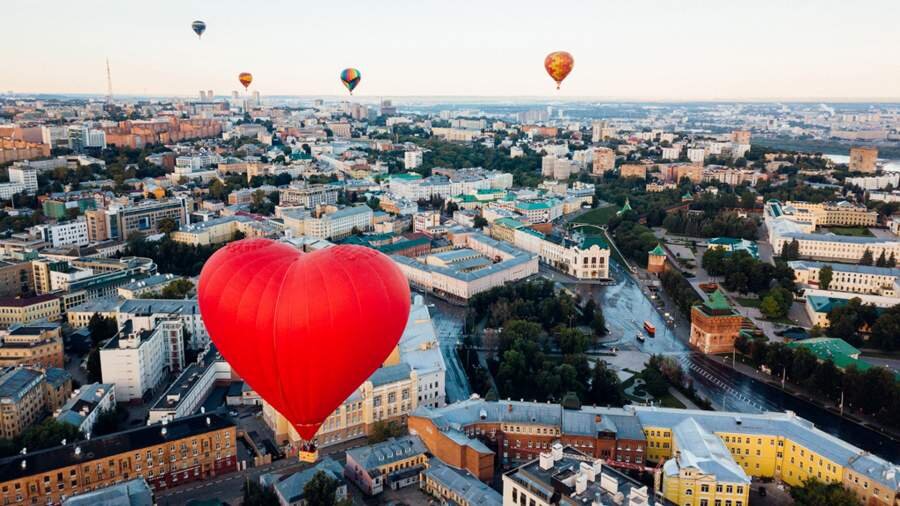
x=199, y=27
x=558, y=65
x=351, y=78
x=303, y=329
x=245, y=78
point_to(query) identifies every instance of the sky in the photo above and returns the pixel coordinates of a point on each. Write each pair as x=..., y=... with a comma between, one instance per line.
x=623, y=50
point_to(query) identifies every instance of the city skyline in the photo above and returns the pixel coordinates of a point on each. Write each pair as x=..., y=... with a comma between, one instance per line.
x=764, y=51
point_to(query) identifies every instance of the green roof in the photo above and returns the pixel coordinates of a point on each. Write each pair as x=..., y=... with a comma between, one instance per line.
x=658, y=251
x=407, y=176
x=544, y=204
x=509, y=223
x=837, y=350
x=717, y=302
x=489, y=191
x=594, y=240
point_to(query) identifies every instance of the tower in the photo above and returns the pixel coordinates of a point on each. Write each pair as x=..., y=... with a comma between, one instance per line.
x=109, y=98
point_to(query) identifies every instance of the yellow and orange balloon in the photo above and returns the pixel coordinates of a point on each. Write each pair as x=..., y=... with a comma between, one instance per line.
x=245, y=78
x=558, y=64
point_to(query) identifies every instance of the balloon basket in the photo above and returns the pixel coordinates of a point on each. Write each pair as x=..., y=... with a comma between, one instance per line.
x=308, y=453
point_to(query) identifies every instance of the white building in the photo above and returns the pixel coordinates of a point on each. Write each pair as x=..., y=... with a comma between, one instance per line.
x=412, y=159
x=135, y=361
x=86, y=405
x=671, y=153
x=24, y=175
x=478, y=264
x=60, y=235
x=186, y=394
x=864, y=279
x=148, y=311
x=328, y=222
x=696, y=155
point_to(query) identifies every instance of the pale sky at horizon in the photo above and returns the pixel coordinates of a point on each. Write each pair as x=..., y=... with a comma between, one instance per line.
x=639, y=49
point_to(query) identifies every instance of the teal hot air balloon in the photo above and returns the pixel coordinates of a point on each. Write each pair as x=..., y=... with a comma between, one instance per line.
x=199, y=27
x=350, y=78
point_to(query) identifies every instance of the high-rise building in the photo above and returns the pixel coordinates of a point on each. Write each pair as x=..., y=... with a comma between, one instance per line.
x=863, y=159
x=412, y=159
x=604, y=160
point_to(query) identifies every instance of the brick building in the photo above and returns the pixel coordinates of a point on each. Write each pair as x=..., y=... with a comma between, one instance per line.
x=471, y=434
x=185, y=450
x=714, y=325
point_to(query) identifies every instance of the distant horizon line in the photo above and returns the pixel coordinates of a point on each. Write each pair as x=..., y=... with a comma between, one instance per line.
x=546, y=98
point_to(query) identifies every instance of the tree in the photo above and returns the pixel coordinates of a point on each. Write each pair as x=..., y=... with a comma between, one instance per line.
x=177, y=289
x=49, y=433
x=777, y=303
x=382, y=431
x=166, y=225
x=886, y=331
x=882, y=260
x=606, y=389
x=790, y=250
x=866, y=258
x=257, y=495
x=101, y=328
x=217, y=189
x=825, y=275
x=93, y=365
x=815, y=493
x=480, y=222
x=321, y=490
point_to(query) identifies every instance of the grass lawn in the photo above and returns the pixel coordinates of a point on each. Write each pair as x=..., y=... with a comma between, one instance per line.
x=669, y=401
x=598, y=216
x=851, y=231
x=748, y=302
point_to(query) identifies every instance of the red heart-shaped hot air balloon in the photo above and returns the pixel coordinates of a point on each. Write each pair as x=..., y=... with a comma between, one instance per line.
x=303, y=329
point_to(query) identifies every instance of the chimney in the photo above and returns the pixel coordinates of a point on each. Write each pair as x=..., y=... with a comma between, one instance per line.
x=208, y=422
x=164, y=431
x=580, y=483
x=598, y=467
x=77, y=451
x=557, y=452
x=24, y=464
x=546, y=460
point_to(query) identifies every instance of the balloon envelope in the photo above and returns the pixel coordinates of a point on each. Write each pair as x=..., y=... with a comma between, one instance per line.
x=199, y=27
x=303, y=329
x=558, y=64
x=245, y=78
x=350, y=78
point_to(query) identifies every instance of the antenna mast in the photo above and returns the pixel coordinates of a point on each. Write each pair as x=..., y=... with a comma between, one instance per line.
x=109, y=98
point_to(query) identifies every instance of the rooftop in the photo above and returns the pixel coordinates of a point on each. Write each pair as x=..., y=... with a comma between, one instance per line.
x=374, y=456
x=43, y=461
x=463, y=484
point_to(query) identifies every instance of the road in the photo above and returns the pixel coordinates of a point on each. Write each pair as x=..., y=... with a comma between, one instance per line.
x=626, y=305
x=448, y=320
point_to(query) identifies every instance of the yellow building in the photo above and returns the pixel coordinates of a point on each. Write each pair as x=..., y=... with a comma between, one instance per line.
x=780, y=446
x=26, y=395
x=30, y=309
x=702, y=472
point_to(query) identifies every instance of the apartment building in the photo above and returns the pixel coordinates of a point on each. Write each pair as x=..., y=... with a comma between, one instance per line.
x=67, y=234
x=38, y=344
x=29, y=309
x=134, y=361
x=567, y=476
x=863, y=159
x=147, y=312
x=328, y=222
x=183, y=451
x=604, y=160
x=638, y=170
x=308, y=196
x=16, y=278
x=222, y=230
x=86, y=405
x=27, y=395
x=393, y=464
